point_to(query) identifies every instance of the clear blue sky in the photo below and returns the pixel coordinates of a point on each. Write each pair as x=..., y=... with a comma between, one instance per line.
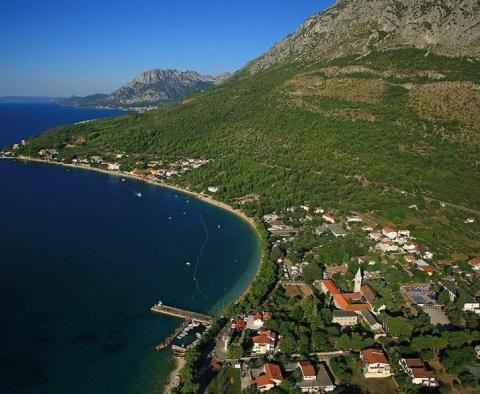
x=65, y=47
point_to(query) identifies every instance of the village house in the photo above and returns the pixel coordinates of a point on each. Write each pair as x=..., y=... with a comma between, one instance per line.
x=344, y=318
x=330, y=270
x=375, y=236
x=375, y=363
x=213, y=189
x=389, y=233
x=267, y=377
x=415, y=369
x=113, y=166
x=314, y=380
x=255, y=321
x=264, y=342
x=475, y=263
x=328, y=218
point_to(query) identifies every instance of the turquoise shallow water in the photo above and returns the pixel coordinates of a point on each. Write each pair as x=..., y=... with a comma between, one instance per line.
x=82, y=258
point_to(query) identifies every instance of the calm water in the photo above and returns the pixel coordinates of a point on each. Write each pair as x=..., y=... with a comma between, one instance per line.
x=82, y=258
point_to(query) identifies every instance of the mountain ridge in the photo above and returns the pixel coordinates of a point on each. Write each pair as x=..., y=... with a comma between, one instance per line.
x=445, y=27
x=155, y=87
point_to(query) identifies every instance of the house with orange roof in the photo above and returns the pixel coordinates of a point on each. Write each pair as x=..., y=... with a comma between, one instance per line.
x=264, y=342
x=475, y=263
x=416, y=370
x=389, y=232
x=375, y=363
x=266, y=377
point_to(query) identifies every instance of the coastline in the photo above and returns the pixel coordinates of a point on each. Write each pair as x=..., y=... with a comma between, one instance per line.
x=179, y=362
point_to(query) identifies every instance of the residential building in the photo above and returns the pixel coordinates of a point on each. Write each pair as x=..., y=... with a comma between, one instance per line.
x=334, y=269
x=375, y=363
x=389, y=232
x=328, y=218
x=264, y=342
x=318, y=381
x=267, y=377
x=416, y=370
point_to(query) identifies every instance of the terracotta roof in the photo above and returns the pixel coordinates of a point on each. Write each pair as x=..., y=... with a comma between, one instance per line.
x=368, y=293
x=307, y=369
x=475, y=261
x=331, y=286
x=341, y=300
x=421, y=373
x=388, y=230
x=265, y=337
x=414, y=363
x=272, y=372
x=374, y=356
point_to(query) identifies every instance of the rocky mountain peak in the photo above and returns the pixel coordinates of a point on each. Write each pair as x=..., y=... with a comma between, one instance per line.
x=447, y=27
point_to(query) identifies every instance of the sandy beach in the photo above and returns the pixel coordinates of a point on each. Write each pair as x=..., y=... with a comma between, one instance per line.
x=170, y=384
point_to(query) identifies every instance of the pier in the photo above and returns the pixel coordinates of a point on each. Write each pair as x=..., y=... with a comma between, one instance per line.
x=168, y=340
x=182, y=313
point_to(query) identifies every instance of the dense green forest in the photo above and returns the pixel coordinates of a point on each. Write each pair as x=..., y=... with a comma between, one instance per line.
x=347, y=134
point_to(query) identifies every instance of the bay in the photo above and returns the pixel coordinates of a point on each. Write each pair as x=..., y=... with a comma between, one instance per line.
x=82, y=259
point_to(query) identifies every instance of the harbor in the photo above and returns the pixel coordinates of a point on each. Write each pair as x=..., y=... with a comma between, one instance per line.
x=194, y=322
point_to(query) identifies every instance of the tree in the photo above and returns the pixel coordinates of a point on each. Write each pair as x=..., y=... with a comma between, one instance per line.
x=344, y=342
x=443, y=297
x=312, y=272
x=399, y=327
x=235, y=351
x=454, y=360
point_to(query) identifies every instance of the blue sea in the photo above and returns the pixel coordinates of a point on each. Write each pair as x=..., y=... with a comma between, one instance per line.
x=83, y=258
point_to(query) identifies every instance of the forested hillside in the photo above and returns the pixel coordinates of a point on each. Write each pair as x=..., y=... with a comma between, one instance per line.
x=354, y=133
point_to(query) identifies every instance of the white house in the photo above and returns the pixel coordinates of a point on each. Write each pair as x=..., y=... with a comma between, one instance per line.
x=415, y=369
x=389, y=232
x=375, y=363
x=264, y=342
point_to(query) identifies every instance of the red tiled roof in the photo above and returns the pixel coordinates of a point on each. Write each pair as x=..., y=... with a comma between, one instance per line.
x=272, y=372
x=475, y=261
x=264, y=337
x=388, y=230
x=342, y=302
x=421, y=373
x=414, y=363
x=331, y=286
x=307, y=369
x=374, y=356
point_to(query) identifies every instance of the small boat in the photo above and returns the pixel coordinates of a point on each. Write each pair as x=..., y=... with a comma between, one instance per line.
x=188, y=263
x=169, y=218
x=123, y=179
x=138, y=194
x=219, y=226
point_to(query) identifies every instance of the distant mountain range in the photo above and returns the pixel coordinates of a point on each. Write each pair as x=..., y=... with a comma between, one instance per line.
x=29, y=99
x=151, y=88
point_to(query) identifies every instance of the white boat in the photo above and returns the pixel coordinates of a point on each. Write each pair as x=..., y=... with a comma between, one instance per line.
x=188, y=263
x=138, y=194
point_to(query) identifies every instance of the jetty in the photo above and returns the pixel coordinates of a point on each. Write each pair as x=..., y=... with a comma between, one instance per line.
x=168, y=340
x=182, y=313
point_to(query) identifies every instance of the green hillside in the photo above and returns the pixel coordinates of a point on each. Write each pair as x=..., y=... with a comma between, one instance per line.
x=347, y=134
